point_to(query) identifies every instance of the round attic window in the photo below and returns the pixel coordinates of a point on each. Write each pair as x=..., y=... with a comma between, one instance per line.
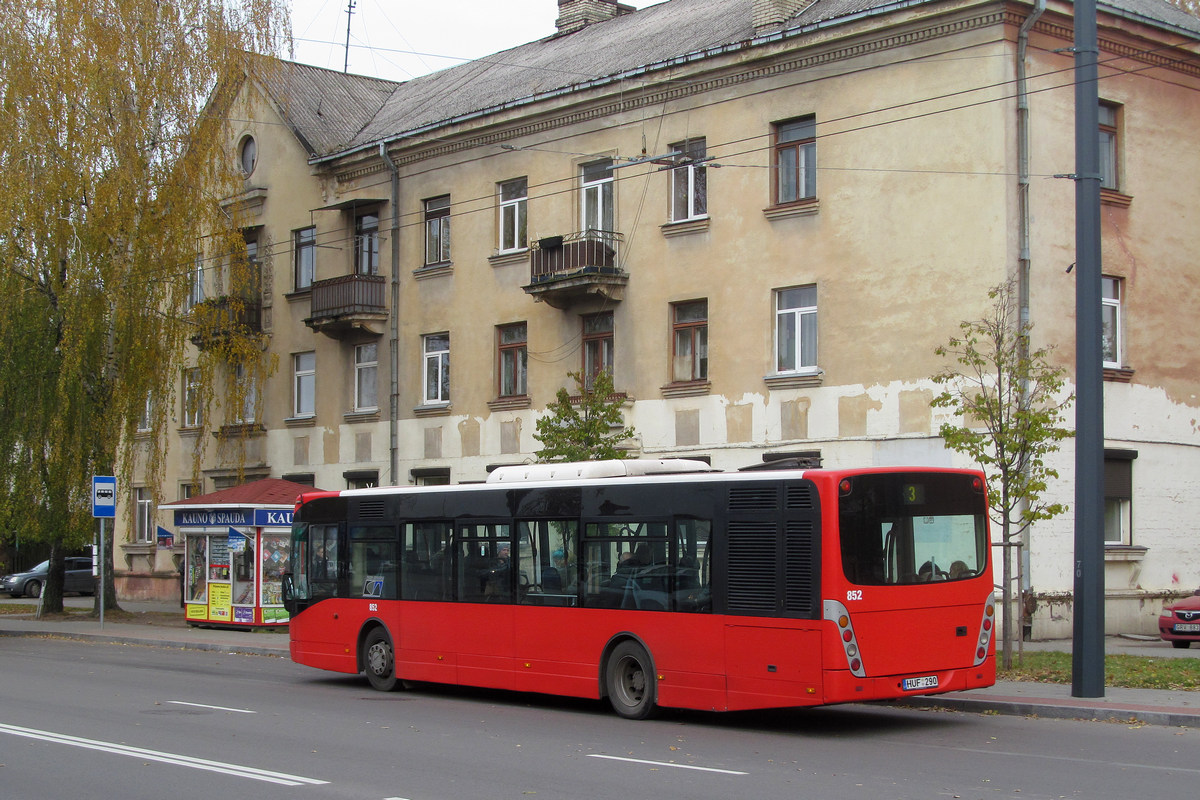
x=248, y=154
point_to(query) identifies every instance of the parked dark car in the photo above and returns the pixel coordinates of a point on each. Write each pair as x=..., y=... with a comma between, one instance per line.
x=1179, y=622
x=78, y=579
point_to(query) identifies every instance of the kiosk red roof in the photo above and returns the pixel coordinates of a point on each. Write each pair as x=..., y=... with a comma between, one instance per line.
x=265, y=492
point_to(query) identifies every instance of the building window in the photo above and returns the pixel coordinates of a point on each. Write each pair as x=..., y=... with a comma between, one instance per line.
x=366, y=244
x=1110, y=146
x=146, y=417
x=193, y=408
x=305, y=247
x=514, y=355
x=689, y=355
x=795, y=155
x=366, y=372
x=513, y=197
x=196, y=282
x=689, y=182
x=437, y=230
x=143, y=505
x=430, y=476
x=597, y=196
x=246, y=414
x=187, y=491
x=304, y=384
x=437, y=368
x=796, y=329
x=248, y=155
x=1111, y=331
x=597, y=344
x=1118, y=496
x=361, y=479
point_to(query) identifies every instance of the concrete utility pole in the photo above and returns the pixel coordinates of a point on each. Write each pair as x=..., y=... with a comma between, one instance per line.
x=1087, y=664
x=349, y=14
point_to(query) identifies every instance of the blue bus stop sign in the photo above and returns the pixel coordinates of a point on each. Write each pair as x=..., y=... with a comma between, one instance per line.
x=104, y=496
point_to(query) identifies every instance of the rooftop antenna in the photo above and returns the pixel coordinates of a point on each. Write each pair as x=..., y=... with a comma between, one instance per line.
x=349, y=13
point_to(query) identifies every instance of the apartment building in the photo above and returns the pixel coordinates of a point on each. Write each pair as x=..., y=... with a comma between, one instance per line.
x=762, y=216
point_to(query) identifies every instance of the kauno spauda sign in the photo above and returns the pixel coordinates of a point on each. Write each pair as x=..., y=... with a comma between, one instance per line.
x=258, y=517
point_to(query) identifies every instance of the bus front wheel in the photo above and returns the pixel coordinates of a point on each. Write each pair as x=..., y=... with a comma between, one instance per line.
x=379, y=661
x=629, y=679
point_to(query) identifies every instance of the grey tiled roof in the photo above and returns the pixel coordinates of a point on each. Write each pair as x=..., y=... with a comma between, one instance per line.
x=333, y=112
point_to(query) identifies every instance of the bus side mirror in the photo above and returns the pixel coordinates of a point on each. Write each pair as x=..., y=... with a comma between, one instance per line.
x=288, y=591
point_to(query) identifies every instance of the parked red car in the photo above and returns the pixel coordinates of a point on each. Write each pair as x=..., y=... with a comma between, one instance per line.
x=1179, y=622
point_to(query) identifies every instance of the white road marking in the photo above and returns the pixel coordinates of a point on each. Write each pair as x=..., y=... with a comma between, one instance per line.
x=215, y=708
x=668, y=764
x=234, y=770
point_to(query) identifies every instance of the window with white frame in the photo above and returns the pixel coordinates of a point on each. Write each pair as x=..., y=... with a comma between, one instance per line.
x=146, y=417
x=366, y=244
x=1111, y=332
x=795, y=160
x=513, y=223
x=796, y=329
x=304, y=384
x=689, y=182
x=248, y=387
x=366, y=372
x=436, y=348
x=596, y=186
x=193, y=407
x=513, y=357
x=437, y=230
x=196, y=282
x=1109, y=118
x=597, y=344
x=305, y=248
x=1118, y=497
x=143, y=509
x=689, y=356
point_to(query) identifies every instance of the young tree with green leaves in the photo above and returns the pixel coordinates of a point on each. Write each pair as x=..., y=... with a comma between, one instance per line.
x=587, y=427
x=1011, y=403
x=114, y=157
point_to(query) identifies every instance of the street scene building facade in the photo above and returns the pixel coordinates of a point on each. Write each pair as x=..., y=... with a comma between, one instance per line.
x=761, y=216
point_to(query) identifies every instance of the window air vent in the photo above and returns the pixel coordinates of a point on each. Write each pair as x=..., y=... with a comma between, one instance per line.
x=371, y=509
x=799, y=496
x=753, y=498
x=752, y=573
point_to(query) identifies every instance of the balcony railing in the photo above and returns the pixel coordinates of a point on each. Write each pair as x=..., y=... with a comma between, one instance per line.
x=219, y=318
x=346, y=303
x=566, y=269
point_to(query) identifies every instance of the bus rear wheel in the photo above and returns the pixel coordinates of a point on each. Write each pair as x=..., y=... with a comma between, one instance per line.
x=629, y=680
x=379, y=661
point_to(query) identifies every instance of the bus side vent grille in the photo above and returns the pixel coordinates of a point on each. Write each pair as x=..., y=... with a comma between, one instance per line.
x=371, y=509
x=799, y=496
x=799, y=567
x=752, y=572
x=753, y=498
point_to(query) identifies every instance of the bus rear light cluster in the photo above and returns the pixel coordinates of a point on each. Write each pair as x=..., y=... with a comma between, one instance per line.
x=986, y=628
x=836, y=613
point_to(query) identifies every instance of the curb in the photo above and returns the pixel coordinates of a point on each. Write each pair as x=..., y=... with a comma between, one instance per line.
x=139, y=640
x=1071, y=709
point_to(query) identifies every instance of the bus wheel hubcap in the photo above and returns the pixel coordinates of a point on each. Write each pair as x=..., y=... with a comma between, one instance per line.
x=377, y=658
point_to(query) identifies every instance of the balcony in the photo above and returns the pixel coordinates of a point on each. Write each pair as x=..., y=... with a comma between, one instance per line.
x=566, y=270
x=347, y=305
x=220, y=318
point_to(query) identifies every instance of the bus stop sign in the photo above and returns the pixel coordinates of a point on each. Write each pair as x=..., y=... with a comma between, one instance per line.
x=104, y=496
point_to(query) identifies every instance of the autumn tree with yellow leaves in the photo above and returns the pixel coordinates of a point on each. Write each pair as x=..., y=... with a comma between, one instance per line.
x=114, y=157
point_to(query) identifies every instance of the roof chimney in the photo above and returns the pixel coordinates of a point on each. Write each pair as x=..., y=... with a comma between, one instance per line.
x=773, y=13
x=576, y=14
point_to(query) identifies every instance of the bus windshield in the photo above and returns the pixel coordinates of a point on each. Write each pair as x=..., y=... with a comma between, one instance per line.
x=901, y=529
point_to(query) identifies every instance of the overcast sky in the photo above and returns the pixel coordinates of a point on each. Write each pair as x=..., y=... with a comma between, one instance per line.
x=401, y=39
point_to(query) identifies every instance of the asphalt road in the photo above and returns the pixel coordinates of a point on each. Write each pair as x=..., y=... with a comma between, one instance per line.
x=85, y=719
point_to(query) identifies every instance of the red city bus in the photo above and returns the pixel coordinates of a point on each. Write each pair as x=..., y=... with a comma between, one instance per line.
x=654, y=583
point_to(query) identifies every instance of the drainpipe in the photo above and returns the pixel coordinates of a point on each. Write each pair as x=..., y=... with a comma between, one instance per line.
x=1023, y=258
x=394, y=323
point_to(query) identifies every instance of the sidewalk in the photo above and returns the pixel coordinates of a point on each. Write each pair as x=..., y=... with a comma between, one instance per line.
x=1149, y=706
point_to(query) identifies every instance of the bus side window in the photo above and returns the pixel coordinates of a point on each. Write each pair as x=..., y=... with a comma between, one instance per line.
x=691, y=591
x=426, y=561
x=323, y=561
x=547, y=568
